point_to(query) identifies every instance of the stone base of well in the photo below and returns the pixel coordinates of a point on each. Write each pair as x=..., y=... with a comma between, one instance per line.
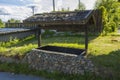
x=56, y=61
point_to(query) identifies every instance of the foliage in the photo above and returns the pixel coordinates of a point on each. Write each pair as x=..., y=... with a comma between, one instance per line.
x=7, y=44
x=21, y=50
x=110, y=14
x=13, y=21
x=64, y=10
x=13, y=47
x=1, y=24
x=48, y=33
x=81, y=6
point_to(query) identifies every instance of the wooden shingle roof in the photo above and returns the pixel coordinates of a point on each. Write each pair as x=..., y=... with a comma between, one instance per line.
x=73, y=17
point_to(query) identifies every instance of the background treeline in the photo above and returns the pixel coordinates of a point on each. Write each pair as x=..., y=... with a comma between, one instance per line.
x=110, y=14
x=2, y=24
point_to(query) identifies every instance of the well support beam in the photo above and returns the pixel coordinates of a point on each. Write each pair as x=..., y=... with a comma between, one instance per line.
x=39, y=35
x=86, y=38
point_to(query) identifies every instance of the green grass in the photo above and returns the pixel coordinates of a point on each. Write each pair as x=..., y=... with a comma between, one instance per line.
x=19, y=47
x=104, y=45
x=104, y=51
x=24, y=69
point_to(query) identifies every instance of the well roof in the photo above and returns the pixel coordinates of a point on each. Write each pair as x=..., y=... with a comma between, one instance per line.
x=53, y=18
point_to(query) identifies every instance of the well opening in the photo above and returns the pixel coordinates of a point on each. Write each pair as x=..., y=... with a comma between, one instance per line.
x=64, y=50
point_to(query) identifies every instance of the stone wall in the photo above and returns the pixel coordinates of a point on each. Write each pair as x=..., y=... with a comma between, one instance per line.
x=55, y=61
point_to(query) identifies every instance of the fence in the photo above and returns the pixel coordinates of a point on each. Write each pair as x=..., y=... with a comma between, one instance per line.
x=21, y=25
x=4, y=37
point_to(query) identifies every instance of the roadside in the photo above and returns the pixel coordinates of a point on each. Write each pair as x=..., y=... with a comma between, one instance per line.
x=12, y=76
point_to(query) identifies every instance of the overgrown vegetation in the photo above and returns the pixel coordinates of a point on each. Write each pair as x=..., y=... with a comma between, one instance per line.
x=81, y=6
x=110, y=14
x=48, y=33
x=19, y=47
x=12, y=20
x=1, y=24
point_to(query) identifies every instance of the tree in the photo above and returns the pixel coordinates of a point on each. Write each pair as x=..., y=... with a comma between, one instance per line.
x=1, y=24
x=81, y=6
x=64, y=10
x=110, y=13
x=13, y=21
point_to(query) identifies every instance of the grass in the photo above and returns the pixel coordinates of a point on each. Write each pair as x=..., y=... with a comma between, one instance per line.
x=24, y=69
x=104, y=51
x=103, y=45
x=16, y=46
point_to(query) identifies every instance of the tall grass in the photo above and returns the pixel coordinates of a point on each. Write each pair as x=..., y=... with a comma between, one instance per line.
x=9, y=43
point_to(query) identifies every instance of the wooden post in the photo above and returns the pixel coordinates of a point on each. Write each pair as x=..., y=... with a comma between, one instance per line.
x=39, y=36
x=86, y=38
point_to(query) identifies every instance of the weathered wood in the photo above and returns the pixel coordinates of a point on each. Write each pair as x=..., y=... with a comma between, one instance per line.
x=77, y=17
x=86, y=38
x=39, y=36
x=21, y=25
x=93, y=17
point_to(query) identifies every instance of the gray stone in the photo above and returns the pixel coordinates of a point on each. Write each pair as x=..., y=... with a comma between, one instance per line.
x=56, y=61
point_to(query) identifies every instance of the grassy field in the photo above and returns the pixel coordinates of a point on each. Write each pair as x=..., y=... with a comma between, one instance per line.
x=104, y=51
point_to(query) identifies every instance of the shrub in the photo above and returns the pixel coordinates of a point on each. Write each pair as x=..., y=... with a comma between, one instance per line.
x=48, y=33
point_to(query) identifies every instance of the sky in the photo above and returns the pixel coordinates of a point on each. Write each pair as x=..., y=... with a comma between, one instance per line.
x=20, y=9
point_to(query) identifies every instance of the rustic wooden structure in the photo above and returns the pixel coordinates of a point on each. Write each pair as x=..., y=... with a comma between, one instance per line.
x=65, y=21
x=80, y=21
x=95, y=22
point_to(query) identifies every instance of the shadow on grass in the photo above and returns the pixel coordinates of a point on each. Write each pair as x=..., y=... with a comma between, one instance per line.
x=108, y=65
x=79, y=39
x=26, y=41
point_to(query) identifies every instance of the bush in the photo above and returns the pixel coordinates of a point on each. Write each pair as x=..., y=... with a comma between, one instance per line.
x=48, y=33
x=1, y=24
x=110, y=14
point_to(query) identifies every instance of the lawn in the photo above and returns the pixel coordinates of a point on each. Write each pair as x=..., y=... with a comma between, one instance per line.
x=104, y=51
